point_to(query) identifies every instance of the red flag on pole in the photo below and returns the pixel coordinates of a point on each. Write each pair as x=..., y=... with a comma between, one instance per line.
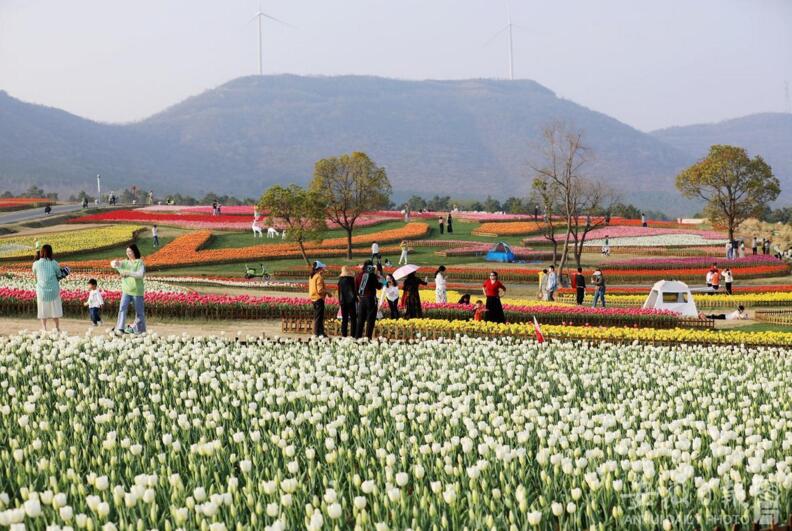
x=538, y=330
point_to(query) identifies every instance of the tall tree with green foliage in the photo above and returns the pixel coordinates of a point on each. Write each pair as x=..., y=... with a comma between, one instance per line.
x=348, y=186
x=734, y=185
x=301, y=211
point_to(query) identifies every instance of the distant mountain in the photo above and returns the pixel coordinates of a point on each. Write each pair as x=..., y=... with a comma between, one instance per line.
x=766, y=134
x=467, y=138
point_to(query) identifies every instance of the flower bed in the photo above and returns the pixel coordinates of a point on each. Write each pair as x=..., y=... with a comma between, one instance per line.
x=187, y=249
x=68, y=242
x=216, y=434
x=511, y=228
x=721, y=300
x=689, y=262
x=171, y=305
x=440, y=328
x=78, y=282
x=648, y=237
x=198, y=218
x=10, y=204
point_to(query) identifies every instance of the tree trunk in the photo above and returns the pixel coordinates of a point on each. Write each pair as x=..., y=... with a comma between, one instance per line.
x=564, y=253
x=302, y=251
x=349, y=243
x=555, y=252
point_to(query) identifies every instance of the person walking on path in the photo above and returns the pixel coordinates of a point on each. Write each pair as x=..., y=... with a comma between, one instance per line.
x=492, y=288
x=728, y=250
x=580, y=286
x=742, y=248
x=598, y=280
x=132, y=271
x=540, y=294
x=48, y=300
x=728, y=279
x=405, y=248
x=643, y=220
x=317, y=291
x=155, y=236
x=440, y=285
x=412, y=296
x=552, y=283
x=367, y=284
x=347, y=300
x=449, y=224
x=392, y=296
x=441, y=222
x=754, y=245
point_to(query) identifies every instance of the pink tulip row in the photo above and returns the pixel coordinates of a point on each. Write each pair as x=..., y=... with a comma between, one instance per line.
x=697, y=260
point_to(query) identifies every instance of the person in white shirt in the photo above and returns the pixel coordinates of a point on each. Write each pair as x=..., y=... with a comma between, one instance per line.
x=441, y=296
x=94, y=303
x=738, y=315
x=391, y=294
x=155, y=236
x=376, y=257
x=709, y=278
x=728, y=278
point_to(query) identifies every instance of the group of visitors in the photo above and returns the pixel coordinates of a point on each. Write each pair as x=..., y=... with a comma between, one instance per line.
x=446, y=223
x=359, y=297
x=597, y=282
x=365, y=295
x=548, y=284
x=216, y=208
x=715, y=276
x=49, y=305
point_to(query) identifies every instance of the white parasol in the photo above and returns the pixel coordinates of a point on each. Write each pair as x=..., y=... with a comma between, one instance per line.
x=405, y=270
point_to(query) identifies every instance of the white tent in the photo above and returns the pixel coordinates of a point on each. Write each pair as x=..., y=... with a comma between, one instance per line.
x=672, y=295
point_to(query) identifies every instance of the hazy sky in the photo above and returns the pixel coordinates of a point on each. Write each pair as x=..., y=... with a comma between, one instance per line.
x=649, y=63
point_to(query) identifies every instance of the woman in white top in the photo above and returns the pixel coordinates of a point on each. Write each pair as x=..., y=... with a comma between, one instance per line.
x=391, y=293
x=440, y=285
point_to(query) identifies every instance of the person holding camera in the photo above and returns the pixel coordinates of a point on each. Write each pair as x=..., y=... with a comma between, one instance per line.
x=367, y=283
x=48, y=300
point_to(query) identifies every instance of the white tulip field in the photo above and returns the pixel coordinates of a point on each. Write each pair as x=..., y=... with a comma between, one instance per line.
x=104, y=432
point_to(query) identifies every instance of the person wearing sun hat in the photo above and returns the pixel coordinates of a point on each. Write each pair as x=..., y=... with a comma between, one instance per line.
x=347, y=300
x=317, y=292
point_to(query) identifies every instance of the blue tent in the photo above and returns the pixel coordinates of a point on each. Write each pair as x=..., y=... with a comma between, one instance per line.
x=501, y=253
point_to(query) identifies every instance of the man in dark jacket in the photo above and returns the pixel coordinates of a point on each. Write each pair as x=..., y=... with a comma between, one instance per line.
x=580, y=285
x=367, y=283
x=347, y=300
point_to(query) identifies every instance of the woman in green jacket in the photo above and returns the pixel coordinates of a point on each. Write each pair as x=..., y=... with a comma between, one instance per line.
x=132, y=271
x=48, y=298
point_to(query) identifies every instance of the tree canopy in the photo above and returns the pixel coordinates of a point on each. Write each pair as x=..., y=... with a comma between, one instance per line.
x=348, y=186
x=735, y=186
x=300, y=210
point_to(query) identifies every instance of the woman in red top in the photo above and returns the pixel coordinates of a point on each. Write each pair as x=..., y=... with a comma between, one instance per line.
x=492, y=288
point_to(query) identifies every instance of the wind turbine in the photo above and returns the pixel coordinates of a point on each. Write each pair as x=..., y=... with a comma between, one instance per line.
x=507, y=28
x=260, y=15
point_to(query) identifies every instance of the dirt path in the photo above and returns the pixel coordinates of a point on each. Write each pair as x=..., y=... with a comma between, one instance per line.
x=10, y=326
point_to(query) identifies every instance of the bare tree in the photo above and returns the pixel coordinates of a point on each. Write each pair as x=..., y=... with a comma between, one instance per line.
x=563, y=155
x=545, y=194
x=591, y=198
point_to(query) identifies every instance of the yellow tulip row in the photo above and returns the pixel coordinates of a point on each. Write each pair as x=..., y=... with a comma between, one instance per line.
x=720, y=300
x=442, y=328
x=68, y=242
